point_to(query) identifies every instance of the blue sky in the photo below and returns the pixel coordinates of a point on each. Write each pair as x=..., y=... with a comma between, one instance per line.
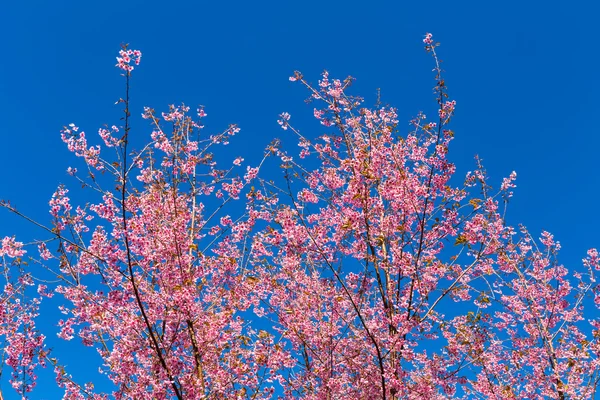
x=524, y=75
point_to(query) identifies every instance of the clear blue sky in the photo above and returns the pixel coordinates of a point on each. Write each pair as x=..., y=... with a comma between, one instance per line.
x=524, y=75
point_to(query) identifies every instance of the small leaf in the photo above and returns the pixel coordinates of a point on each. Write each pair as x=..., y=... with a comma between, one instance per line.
x=475, y=203
x=461, y=239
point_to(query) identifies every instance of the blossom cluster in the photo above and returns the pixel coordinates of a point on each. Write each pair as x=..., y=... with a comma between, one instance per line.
x=125, y=58
x=365, y=272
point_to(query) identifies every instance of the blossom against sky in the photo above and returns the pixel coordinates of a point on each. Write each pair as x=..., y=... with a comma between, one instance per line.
x=522, y=75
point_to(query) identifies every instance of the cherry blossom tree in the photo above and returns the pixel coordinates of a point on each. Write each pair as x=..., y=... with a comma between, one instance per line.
x=365, y=272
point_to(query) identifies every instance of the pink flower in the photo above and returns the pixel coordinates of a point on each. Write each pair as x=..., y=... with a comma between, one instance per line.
x=238, y=161
x=251, y=173
x=44, y=252
x=43, y=291
x=508, y=183
x=11, y=248
x=428, y=39
x=283, y=122
x=123, y=62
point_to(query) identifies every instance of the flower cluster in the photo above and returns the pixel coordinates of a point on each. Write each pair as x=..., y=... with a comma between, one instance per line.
x=367, y=272
x=125, y=58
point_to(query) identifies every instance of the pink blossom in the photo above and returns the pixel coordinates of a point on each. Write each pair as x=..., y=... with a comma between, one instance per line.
x=11, y=248
x=365, y=272
x=251, y=173
x=428, y=39
x=283, y=121
x=125, y=58
x=238, y=161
